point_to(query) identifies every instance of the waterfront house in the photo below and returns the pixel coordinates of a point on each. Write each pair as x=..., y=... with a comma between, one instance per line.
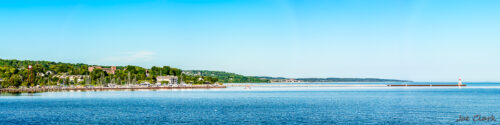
x=168, y=78
x=79, y=78
x=285, y=81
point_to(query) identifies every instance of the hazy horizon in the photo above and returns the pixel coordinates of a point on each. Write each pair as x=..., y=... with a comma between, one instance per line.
x=418, y=40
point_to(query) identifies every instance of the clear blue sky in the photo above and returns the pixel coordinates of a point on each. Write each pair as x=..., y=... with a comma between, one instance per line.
x=420, y=40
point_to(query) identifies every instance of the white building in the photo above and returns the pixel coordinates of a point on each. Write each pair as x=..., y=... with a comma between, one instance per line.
x=169, y=79
x=79, y=78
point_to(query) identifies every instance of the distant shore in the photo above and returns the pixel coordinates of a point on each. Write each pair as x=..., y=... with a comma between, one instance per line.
x=15, y=90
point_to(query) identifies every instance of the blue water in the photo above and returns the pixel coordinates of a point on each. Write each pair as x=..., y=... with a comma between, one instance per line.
x=259, y=105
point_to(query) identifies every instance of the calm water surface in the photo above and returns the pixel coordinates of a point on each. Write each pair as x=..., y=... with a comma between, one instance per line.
x=258, y=105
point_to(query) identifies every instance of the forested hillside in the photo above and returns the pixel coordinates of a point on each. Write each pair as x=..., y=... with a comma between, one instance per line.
x=17, y=73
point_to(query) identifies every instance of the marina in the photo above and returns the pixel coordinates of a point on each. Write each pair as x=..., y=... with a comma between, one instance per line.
x=14, y=90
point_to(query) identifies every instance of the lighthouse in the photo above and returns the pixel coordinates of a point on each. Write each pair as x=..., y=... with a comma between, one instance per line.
x=459, y=81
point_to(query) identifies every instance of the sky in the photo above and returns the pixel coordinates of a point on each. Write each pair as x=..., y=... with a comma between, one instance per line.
x=419, y=40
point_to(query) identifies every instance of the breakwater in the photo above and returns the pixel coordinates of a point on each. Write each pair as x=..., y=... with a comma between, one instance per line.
x=312, y=85
x=351, y=85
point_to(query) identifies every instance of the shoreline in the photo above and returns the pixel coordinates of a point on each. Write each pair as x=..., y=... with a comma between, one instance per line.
x=32, y=90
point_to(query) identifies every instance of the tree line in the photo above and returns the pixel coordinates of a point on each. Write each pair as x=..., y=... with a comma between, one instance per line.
x=17, y=73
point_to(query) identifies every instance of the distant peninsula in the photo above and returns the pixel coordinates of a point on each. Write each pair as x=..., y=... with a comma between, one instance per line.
x=227, y=77
x=292, y=80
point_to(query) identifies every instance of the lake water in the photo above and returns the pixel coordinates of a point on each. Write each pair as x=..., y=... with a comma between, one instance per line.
x=258, y=105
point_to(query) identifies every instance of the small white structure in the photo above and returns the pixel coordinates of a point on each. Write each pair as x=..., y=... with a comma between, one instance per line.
x=459, y=81
x=49, y=73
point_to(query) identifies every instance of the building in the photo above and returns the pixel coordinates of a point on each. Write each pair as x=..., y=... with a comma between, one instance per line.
x=79, y=78
x=285, y=81
x=111, y=70
x=291, y=80
x=169, y=79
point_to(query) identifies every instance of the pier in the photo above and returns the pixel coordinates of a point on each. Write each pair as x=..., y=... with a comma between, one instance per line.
x=356, y=85
x=312, y=85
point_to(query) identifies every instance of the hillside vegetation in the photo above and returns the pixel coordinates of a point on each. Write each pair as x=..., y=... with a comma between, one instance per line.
x=17, y=73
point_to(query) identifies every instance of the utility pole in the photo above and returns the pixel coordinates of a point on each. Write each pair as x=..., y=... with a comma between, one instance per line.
x=29, y=75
